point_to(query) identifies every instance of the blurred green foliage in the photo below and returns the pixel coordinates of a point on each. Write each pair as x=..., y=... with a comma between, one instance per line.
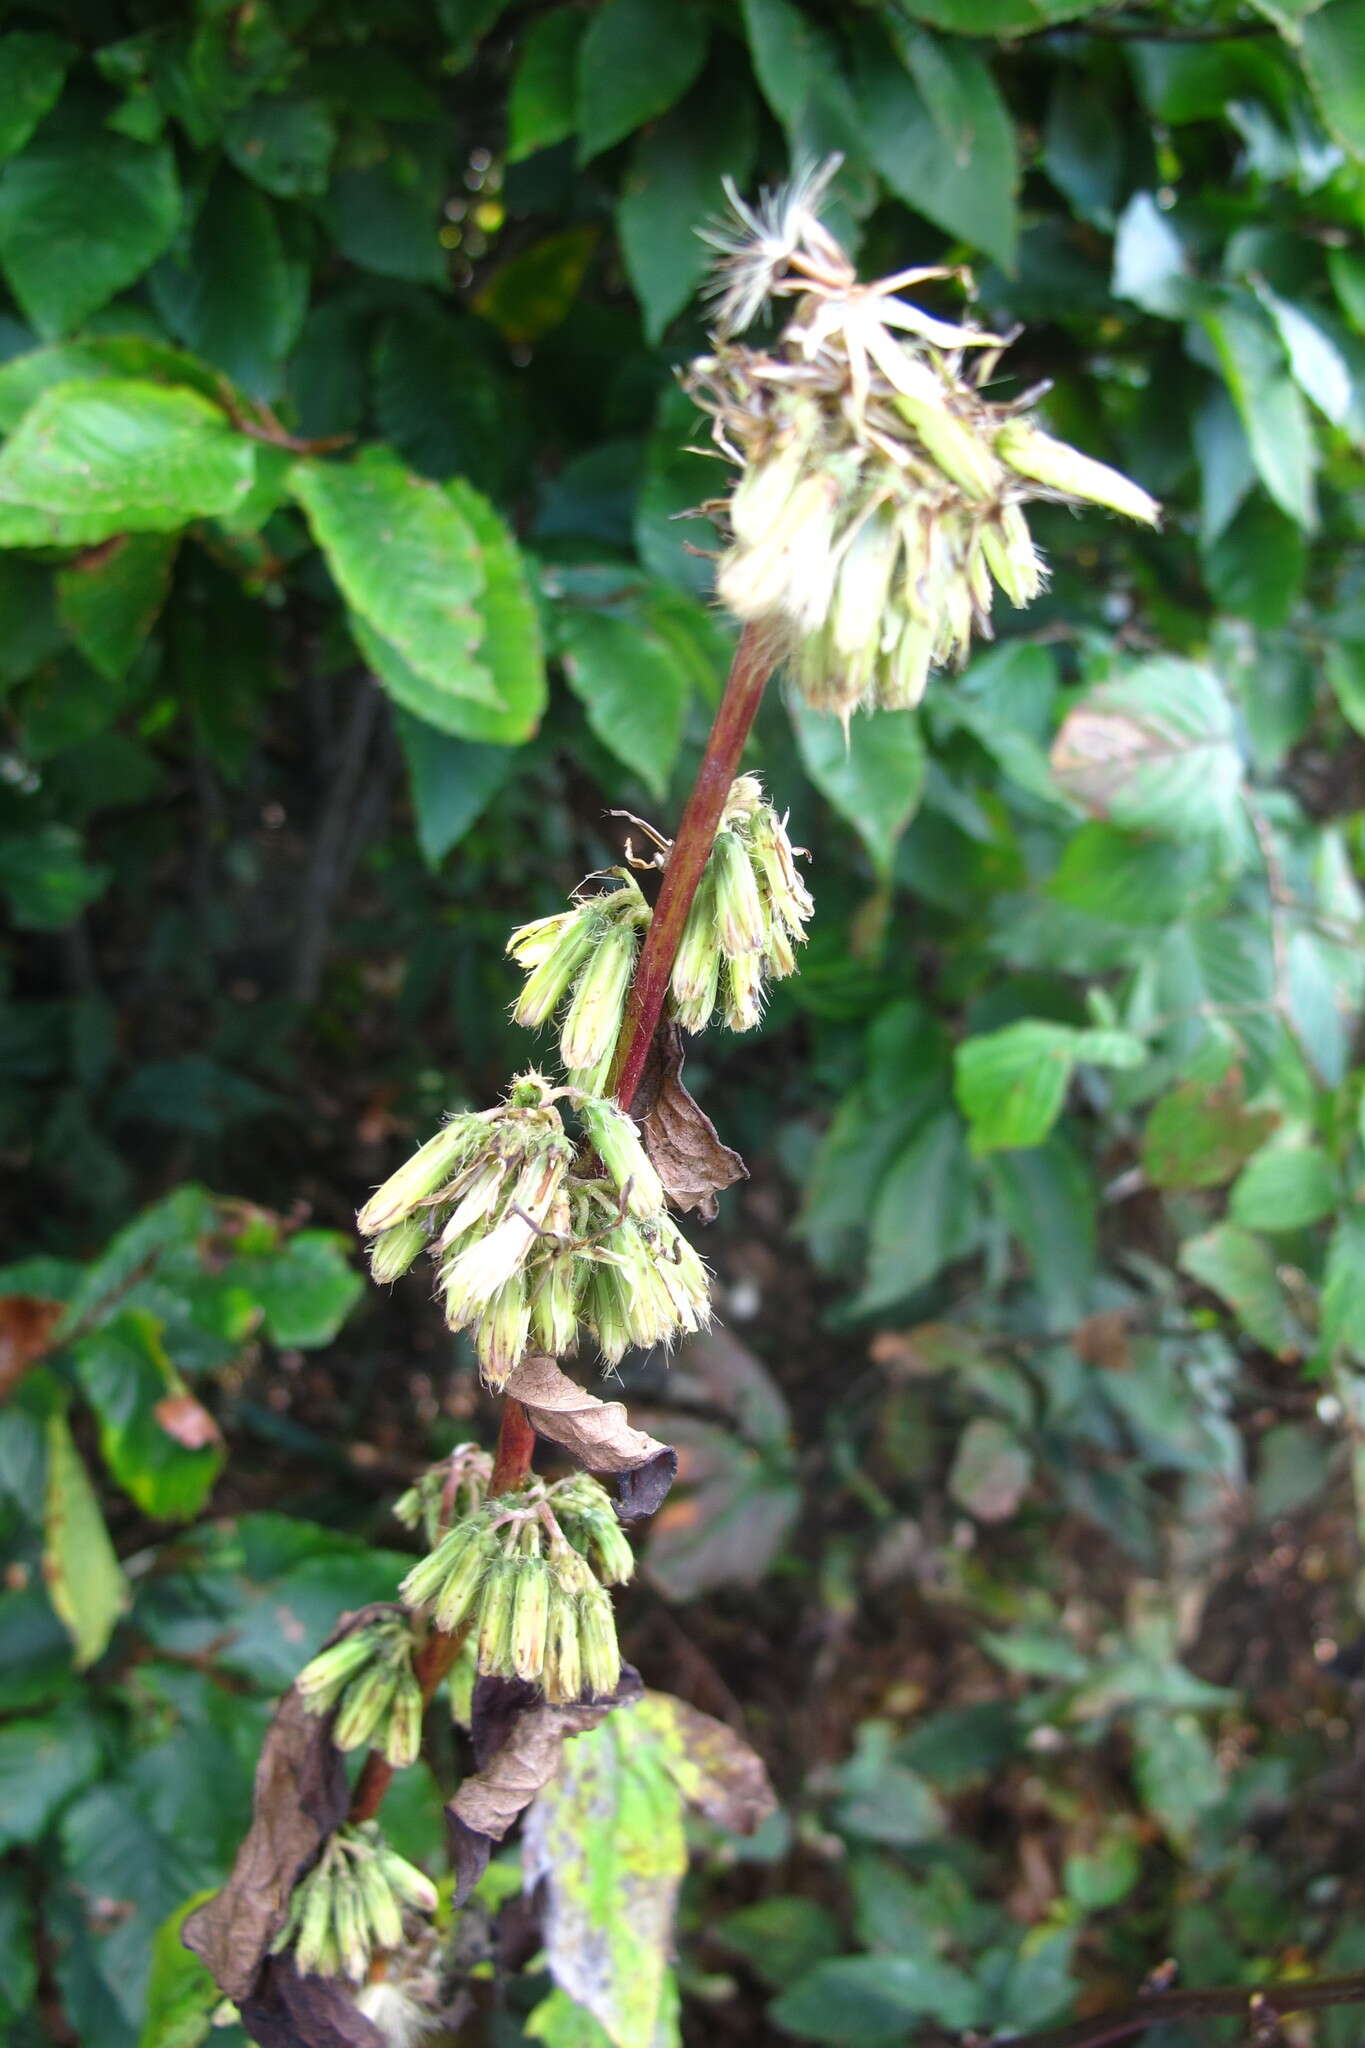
x=341, y=593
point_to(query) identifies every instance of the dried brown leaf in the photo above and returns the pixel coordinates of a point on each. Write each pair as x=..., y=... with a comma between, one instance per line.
x=289, y=2011
x=597, y=1433
x=27, y=1322
x=300, y=1795
x=680, y=1137
x=188, y=1421
x=520, y=1765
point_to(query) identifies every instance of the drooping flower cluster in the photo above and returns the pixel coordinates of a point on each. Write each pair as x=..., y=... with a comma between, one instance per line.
x=580, y=964
x=350, y=1905
x=881, y=493
x=749, y=912
x=369, y=1679
x=533, y=1238
x=529, y=1573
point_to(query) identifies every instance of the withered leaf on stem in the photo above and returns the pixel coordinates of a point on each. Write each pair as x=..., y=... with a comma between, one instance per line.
x=598, y=1433
x=680, y=1137
x=300, y=1795
x=27, y=1322
x=289, y=2011
x=525, y=1758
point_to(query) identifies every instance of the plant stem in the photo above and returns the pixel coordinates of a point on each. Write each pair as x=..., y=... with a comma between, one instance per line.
x=749, y=673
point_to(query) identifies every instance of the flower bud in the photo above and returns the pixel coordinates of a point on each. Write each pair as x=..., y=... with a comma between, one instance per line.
x=615, y=1138
x=740, y=921
x=530, y=1617
x=549, y=982
x=955, y=447
x=593, y=1023
x=554, y=1303
x=419, y=1177
x=394, y=1250
x=323, y=1680
x=494, y=1649
x=365, y=1707
x=403, y=1731
x=606, y=1313
x=530, y=944
x=380, y=1907
x=599, y=1652
x=476, y=1274
x=742, y=1006
x=480, y=1192
x=352, y=1929
x=561, y=1677
x=502, y=1330
x=696, y=969
x=1036, y=455
x=449, y=1580
x=315, y=1950
x=408, y=1884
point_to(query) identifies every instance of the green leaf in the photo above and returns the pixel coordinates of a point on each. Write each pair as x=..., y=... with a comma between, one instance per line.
x=1345, y=664
x=1048, y=1197
x=84, y=1581
x=1269, y=404
x=32, y=69
x=109, y=600
x=632, y=685
x=942, y=138
x=386, y=218
x=511, y=648
x=1346, y=268
x=1315, y=362
x=42, y=1763
x=1149, y=260
x=181, y=1995
x=453, y=781
x=996, y=17
x=1199, y=1136
x=1011, y=1084
x=635, y=61
x=282, y=142
x=672, y=184
x=874, y=1999
x=306, y=1290
x=1177, y=1771
x=138, y=1396
x=677, y=478
x=231, y=296
x=1285, y=1188
x=1083, y=146
x=406, y=560
x=1154, y=750
x=535, y=291
x=46, y=879
x=1242, y=1271
x=1343, y=1289
x=82, y=214
x=797, y=67
x=1332, y=46
x=873, y=773
x=1256, y=568
x=779, y=1937
x=94, y=459
x=924, y=1214
x=18, y=1962
x=26, y=377
x=437, y=397
x=542, y=106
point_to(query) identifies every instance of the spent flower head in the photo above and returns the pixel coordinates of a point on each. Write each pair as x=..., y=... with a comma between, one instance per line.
x=350, y=1905
x=750, y=910
x=879, y=501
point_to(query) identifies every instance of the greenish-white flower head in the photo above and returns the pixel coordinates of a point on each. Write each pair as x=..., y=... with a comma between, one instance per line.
x=879, y=502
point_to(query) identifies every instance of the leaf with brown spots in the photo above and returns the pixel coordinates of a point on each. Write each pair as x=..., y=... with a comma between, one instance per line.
x=188, y=1421
x=27, y=1322
x=598, y=1433
x=529, y=1735
x=680, y=1137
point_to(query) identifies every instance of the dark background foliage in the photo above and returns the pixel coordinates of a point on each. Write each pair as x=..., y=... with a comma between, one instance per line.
x=1017, y=1526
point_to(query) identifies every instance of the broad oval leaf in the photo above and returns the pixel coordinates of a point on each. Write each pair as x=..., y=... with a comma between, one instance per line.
x=1155, y=750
